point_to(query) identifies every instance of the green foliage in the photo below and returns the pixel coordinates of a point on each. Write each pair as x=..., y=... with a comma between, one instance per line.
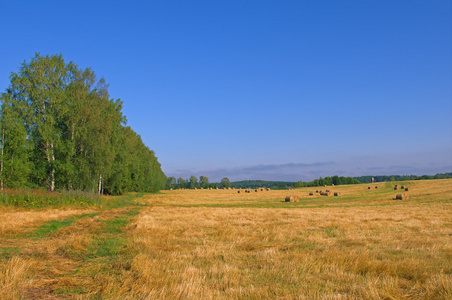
x=204, y=182
x=60, y=130
x=224, y=183
x=181, y=183
x=193, y=182
x=171, y=183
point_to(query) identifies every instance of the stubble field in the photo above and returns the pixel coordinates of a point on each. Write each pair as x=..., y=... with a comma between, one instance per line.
x=220, y=244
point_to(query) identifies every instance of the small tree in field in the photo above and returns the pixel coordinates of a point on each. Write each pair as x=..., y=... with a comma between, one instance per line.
x=204, y=182
x=225, y=183
x=193, y=181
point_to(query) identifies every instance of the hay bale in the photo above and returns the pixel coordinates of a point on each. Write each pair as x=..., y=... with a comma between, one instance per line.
x=317, y=191
x=406, y=189
x=376, y=187
x=238, y=191
x=326, y=194
x=171, y=189
x=293, y=198
x=336, y=194
x=268, y=189
x=396, y=187
x=327, y=191
x=402, y=187
x=402, y=197
x=368, y=187
x=311, y=194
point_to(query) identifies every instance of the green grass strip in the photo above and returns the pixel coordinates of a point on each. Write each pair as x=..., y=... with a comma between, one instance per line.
x=50, y=227
x=9, y=252
x=109, y=243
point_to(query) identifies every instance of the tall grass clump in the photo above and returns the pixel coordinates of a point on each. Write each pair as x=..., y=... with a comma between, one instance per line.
x=28, y=198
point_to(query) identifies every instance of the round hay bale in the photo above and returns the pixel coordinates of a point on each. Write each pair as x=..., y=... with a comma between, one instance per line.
x=317, y=191
x=395, y=188
x=256, y=190
x=238, y=191
x=368, y=187
x=402, y=187
x=327, y=191
x=311, y=194
x=402, y=197
x=336, y=194
x=293, y=198
x=406, y=189
x=376, y=187
x=269, y=189
x=326, y=194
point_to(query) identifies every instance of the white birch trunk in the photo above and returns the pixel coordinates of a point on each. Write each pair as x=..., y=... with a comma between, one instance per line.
x=100, y=184
x=52, y=182
x=50, y=159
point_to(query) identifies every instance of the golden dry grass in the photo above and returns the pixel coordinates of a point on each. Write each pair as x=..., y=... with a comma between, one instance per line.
x=232, y=253
x=219, y=244
x=14, y=221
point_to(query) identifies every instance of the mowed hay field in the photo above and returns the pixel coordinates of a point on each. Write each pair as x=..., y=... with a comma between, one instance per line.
x=221, y=244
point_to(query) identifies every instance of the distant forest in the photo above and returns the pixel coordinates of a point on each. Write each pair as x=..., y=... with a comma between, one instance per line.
x=203, y=181
x=381, y=178
x=61, y=131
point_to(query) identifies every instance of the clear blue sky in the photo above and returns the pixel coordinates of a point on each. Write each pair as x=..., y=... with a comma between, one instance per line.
x=275, y=90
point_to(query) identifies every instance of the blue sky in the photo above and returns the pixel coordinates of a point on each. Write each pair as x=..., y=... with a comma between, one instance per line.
x=274, y=90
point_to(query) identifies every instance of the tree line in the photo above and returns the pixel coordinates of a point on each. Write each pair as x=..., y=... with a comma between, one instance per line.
x=61, y=131
x=203, y=182
x=194, y=183
x=381, y=178
x=336, y=180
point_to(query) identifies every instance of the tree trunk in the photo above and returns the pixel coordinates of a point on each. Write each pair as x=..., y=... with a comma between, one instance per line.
x=99, y=191
x=51, y=173
x=52, y=182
